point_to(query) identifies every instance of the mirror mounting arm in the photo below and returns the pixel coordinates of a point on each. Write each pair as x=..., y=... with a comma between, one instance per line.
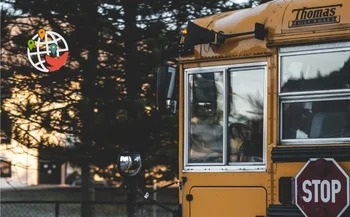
x=176, y=212
x=221, y=37
x=260, y=33
x=161, y=188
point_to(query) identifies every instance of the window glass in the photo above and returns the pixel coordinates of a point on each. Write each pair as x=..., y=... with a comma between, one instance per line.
x=311, y=112
x=318, y=71
x=5, y=169
x=5, y=128
x=245, y=118
x=316, y=119
x=206, y=117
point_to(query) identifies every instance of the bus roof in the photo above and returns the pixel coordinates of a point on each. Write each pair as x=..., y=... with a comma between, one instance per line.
x=288, y=22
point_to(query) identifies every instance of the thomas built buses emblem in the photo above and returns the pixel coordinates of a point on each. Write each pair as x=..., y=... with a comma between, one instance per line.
x=315, y=16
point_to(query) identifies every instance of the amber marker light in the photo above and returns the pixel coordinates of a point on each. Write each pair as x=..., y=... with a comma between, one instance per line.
x=184, y=32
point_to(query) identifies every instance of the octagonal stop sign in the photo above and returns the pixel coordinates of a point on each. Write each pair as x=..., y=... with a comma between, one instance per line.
x=322, y=188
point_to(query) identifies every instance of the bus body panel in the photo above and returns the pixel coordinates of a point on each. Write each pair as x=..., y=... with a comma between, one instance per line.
x=229, y=178
x=235, y=201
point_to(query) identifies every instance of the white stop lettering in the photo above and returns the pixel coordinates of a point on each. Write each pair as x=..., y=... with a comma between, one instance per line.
x=322, y=190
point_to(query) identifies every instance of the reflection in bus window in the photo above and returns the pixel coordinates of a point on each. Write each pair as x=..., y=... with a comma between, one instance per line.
x=246, y=115
x=315, y=72
x=317, y=119
x=206, y=118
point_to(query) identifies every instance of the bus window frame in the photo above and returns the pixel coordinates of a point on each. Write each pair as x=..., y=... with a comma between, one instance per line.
x=225, y=166
x=309, y=96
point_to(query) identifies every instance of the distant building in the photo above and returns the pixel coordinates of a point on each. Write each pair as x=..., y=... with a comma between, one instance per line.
x=22, y=167
x=18, y=165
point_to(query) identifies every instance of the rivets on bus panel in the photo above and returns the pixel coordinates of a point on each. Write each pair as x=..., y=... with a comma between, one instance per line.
x=189, y=197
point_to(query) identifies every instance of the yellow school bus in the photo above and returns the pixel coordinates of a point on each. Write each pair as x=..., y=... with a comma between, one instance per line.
x=264, y=111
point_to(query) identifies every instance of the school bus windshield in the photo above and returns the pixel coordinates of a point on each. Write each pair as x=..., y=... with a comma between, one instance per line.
x=244, y=128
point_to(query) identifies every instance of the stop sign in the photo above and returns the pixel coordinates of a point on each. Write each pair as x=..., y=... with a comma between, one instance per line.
x=322, y=188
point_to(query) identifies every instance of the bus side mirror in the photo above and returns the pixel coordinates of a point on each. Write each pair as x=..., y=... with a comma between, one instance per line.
x=165, y=89
x=129, y=164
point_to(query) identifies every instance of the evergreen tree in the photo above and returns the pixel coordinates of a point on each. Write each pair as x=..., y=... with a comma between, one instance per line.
x=106, y=91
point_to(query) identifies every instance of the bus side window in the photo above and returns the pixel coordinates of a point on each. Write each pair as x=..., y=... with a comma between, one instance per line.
x=315, y=96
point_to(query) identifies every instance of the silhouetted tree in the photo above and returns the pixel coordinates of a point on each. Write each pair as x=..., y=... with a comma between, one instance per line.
x=102, y=101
